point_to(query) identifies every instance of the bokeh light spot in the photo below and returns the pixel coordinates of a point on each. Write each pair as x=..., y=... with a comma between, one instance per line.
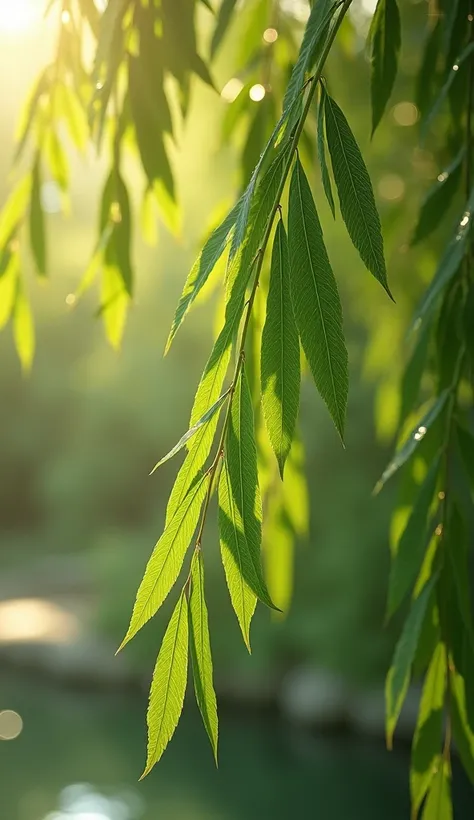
x=257, y=92
x=405, y=113
x=232, y=89
x=34, y=619
x=391, y=187
x=11, y=724
x=270, y=35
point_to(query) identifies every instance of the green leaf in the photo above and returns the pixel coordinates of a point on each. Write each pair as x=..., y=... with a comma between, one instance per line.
x=224, y=17
x=354, y=189
x=322, y=152
x=56, y=159
x=398, y=677
x=466, y=449
x=10, y=272
x=468, y=324
x=28, y=114
x=241, y=461
x=23, y=328
x=110, y=21
x=438, y=199
x=201, y=652
x=413, y=374
x=427, y=74
x=168, y=685
x=316, y=302
x=408, y=559
x=441, y=98
x=427, y=740
x=463, y=733
x=449, y=264
x=411, y=443
x=280, y=356
x=114, y=304
x=193, y=430
x=202, y=268
x=37, y=230
x=14, y=209
x=438, y=804
x=167, y=559
x=385, y=39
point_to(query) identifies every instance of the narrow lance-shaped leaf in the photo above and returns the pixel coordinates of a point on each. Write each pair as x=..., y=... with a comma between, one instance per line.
x=354, y=189
x=413, y=373
x=398, y=677
x=438, y=804
x=201, y=652
x=322, y=152
x=449, y=264
x=224, y=17
x=37, y=230
x=167, y=559
x=23, y=327
x=463, y=733
x=316, y=302
x=280, y=356
x=440, y=99
x=385, y=39
x=202, y=268
x=438, y=199
x=427, y=740
x=417, y=434
x=408, y=559
x=168, y=685
x=14, y=209
x=427, y=72
x=192, y=430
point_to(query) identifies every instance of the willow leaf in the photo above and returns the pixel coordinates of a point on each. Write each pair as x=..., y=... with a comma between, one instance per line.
x=241, y=459
x=438, y=804
x=408, y=559
x=438, y=199
x=354, y=189
x=168, y=685
x=316, y=302
x=427, y=740
x=224, y=17
x=322, y=153
x=37, y=229
x=167, y=559
x=411, y=443
x=202, y=268
x=463, y=733
x=443, y=94
x=449, y=264
x=280, y=357
x=14, y=209
x=385, y=39
x=192, y=430
x=427, y=72
x=398, y=677
x=413, y=373
x=201, y=652
x=23, y=327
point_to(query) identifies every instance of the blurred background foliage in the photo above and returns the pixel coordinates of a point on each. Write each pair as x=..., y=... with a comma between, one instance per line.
x=82, y=430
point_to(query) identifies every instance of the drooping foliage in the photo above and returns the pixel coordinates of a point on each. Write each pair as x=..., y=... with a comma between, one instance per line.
x=281, y=309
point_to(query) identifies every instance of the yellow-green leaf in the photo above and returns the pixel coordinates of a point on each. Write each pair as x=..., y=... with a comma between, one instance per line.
x=23, y=328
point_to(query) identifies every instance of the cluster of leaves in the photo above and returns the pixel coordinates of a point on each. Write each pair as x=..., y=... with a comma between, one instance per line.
x=282, y=315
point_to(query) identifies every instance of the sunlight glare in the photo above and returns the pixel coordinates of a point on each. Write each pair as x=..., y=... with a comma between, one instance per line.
x=18, y=16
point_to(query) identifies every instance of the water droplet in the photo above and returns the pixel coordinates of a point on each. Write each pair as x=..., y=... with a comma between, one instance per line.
x=441, y=495
x=65, y=17
x=71, y=299
x=439, y=530
x=420, y=433
x=442, y=177
x=455, y=67
x=470, y=18
x=465, y=220
x=99, y=86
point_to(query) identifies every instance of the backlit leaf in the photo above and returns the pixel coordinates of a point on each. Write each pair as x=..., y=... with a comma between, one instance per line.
x=463, y=733
x=56, y=159
x=411, y=443
x=192, y=431
x=356, y=197
x=427, y=740
x=316, y=302
x=23, y=328
x=385, y=39
x=201, y=652
x=168, y=685
x=438, y=804
x=407, y=561
x=37, y=228
x=322, y=152
x=14, y=209
x=224, y=17
x=167, y=559
x=8, y=285
x=438, y=199
x=398, y=677
x=280, y=356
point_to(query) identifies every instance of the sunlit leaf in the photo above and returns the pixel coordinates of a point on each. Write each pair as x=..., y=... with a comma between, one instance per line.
x=398, y=677
x=280, y=356
x=37, y=227
x=356, y=197
x=14, y=209
x=223, y=20
x=411, y=443
x=463, y=732
x=438, y=199
x=385, y=40
x=316, y=300
x=192, y=430
x=8, y=285
x=438, y=804
x=449, y=264
x=114, y=304
x=407, y=561
x=28, y=114
x=74, y=115
x=56, y=159
x=427, y=740
x=23, y=328
x=168, y=685
x=201, y=652
x=167, y=559
x=322, y=152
